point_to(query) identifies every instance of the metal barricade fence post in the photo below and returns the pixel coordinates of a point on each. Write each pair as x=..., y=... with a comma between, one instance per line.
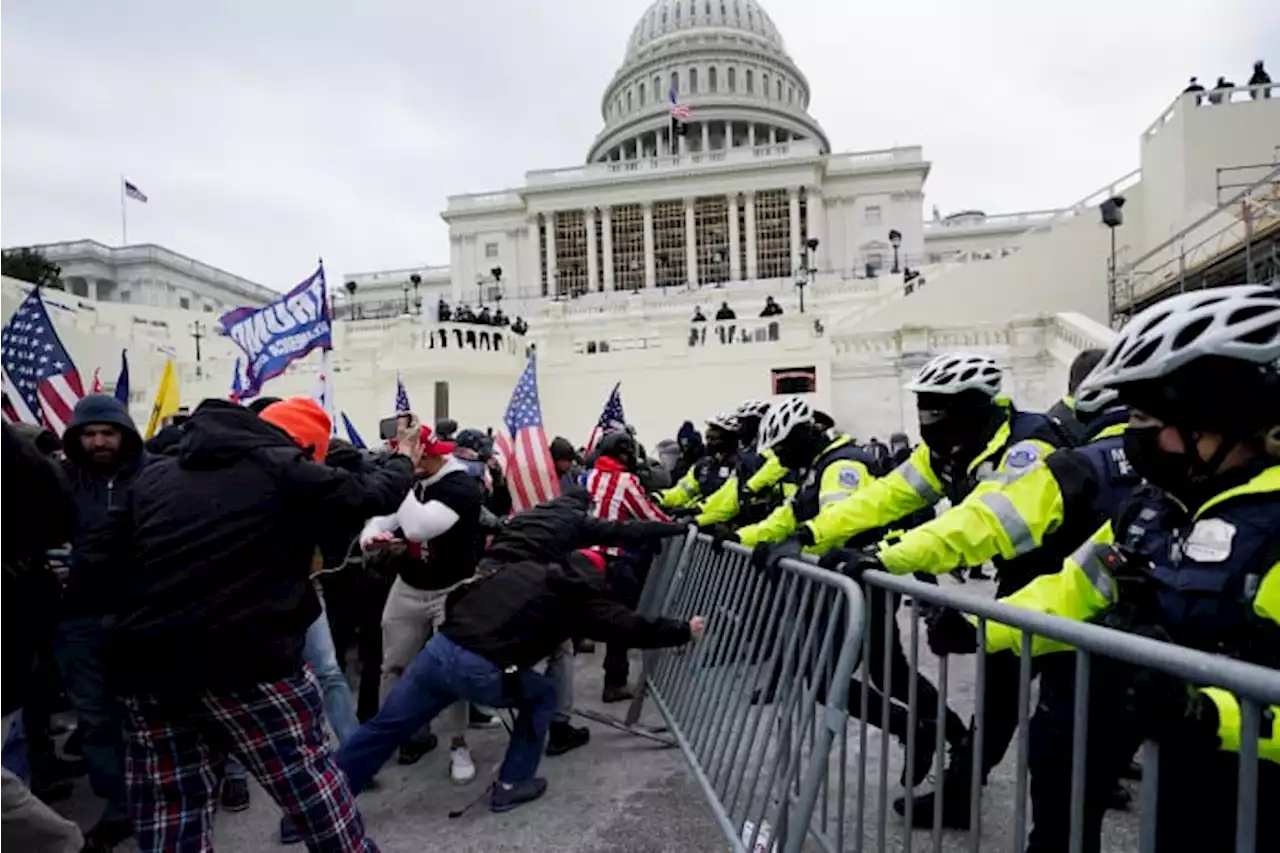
x=1255, y=687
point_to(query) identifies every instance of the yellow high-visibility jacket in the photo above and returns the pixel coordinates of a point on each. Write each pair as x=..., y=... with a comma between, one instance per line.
x=723, y=505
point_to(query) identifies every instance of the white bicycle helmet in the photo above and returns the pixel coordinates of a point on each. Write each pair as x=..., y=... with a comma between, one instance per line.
x=1240, y=322
x=954, y=372
x=782, y=420
x=726, y=421
x=1095, y=399
x=752, y=409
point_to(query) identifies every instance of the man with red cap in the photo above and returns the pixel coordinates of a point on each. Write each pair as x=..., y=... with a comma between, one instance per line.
x=211, y=555
x=436, y=539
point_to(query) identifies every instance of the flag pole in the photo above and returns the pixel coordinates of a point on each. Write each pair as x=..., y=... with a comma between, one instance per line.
x=124, y=216
x=326, y=355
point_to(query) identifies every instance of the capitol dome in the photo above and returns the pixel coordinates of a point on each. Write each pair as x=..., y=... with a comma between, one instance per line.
x=727, y=63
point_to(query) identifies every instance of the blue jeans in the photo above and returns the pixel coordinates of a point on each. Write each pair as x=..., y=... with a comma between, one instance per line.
x=79, y=650
x=339, y=708
x=441, y=674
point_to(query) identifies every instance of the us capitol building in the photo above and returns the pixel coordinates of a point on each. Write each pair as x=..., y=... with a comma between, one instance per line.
x=608, y=260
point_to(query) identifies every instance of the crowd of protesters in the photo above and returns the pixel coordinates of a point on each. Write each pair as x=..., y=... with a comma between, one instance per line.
x=197, y=598
x=484, y=317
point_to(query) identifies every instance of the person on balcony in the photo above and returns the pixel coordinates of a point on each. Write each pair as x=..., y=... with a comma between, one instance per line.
x=725, y=312
x=1194, y=88
x=500, y=319
x=442, y=311
x=519, y=326
x=698, y=316
x=1260, y=77
x=771, y=308
x=1223, y=85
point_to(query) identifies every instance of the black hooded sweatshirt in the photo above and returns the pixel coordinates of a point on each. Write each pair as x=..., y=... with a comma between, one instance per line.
x=214, y=549
x=96, y=492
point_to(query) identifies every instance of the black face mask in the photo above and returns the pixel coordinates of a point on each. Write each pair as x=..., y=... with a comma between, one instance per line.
x=1168, y=471
x=722, y=445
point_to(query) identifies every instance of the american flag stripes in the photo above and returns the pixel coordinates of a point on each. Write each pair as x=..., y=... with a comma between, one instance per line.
x=40, y=380
x=612, y=414
x=402, y=398
x=679, y=111
x=522, y=443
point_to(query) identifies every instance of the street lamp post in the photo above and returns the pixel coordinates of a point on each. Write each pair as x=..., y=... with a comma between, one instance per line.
x=805, y=272
x=1113, y=219
x=406, y=297
x=495, y=277
x=416, y=280
x=197, y=334
x=895, y=240
x=351, y=294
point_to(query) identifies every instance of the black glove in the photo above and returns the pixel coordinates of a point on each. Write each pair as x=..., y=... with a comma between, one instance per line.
x=720, y=534
x=766, y=557
x=852, y=562
x=658, y=529
x=951, y=634
x=1170, y=711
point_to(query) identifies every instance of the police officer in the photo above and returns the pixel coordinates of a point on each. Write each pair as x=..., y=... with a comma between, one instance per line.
x=973, y=443
x=710, y=472
x=756, y=487
x=1193, y=558
x=1064, y=411
x=1035, y=518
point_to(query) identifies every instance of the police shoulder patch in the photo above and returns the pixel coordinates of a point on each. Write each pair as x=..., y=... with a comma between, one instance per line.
x=1021, y=456
x=849, y=478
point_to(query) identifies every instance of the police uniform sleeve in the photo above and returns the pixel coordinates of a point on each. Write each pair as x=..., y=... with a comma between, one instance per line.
x=721, y=505
x=1082, y=589
x=840, y=481
x=1008, y=514
x=768, y=475
x=774, y=527
x=1266, y=604
x=682, y=494
x=911, y=486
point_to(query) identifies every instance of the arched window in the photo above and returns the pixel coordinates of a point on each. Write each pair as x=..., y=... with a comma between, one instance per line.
x=712, y=83
x=675, y=79
x=642, y=94
x=628, y=100
x=764, y=85
x=693, y=80
x=733, y=80
x=791, y=95
x=657, y=88
x=751, y=82
x=779, y=82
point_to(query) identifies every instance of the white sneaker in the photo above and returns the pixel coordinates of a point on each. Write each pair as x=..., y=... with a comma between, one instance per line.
x=461, y=768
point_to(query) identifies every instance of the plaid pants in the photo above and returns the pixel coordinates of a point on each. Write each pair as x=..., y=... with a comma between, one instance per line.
x=177, y=749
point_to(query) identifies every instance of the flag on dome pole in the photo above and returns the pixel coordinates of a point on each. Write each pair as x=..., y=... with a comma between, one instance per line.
x=41, y=382
x=612, y=414
x=522, y=443
x=402, y=398
x=679, y=111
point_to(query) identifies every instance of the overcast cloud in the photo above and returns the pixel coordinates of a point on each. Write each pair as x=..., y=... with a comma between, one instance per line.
x=267, y=133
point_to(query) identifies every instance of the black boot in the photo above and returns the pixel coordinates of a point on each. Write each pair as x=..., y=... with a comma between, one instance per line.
x=616, y=693
x=956, y=787
x=411, y=751
x=563, y=737
x=924, y=737
x=106, y=834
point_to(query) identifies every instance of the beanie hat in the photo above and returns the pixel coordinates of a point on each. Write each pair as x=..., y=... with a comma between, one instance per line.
x=305, y=422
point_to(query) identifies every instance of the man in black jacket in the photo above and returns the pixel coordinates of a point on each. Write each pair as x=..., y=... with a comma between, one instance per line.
x=212, y=553
x=104, y=457
x=38, y=515
x=529, y=596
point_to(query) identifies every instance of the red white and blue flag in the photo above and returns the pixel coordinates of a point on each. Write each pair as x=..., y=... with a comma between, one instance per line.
x=611, y=418
x=41, y=383
x=679, y=111
x=522, y=444
x=131, y=190
x=402, y=398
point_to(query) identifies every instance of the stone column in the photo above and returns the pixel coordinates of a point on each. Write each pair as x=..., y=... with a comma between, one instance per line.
x=706, y=137
x=650, y=274
x=691, y=240
x=773, y=136
x=530, y=275
x=752, y=262
x=593, y=268
x=793, y=199
x=735, y=265
x=552, y=278
x=606, y=235
x=751, y=134
x=728, y=135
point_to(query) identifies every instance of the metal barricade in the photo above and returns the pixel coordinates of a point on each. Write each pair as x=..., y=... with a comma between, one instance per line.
x=758, y=703
x=1090, y=649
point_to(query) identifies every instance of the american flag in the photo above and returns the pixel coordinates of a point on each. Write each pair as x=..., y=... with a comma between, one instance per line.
x=132, y=191
x=40, y=380
x=523, y=445
x=612, y=415
x=679, y=111
x=402, y=397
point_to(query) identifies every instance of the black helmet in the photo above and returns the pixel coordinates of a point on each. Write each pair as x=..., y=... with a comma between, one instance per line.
x=446, y=428
x=620, y=446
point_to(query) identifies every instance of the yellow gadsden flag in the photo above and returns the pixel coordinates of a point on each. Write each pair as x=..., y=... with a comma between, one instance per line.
x=167, y=399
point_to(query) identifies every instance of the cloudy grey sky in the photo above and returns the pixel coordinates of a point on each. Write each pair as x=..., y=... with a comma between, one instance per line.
x=267, y=133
